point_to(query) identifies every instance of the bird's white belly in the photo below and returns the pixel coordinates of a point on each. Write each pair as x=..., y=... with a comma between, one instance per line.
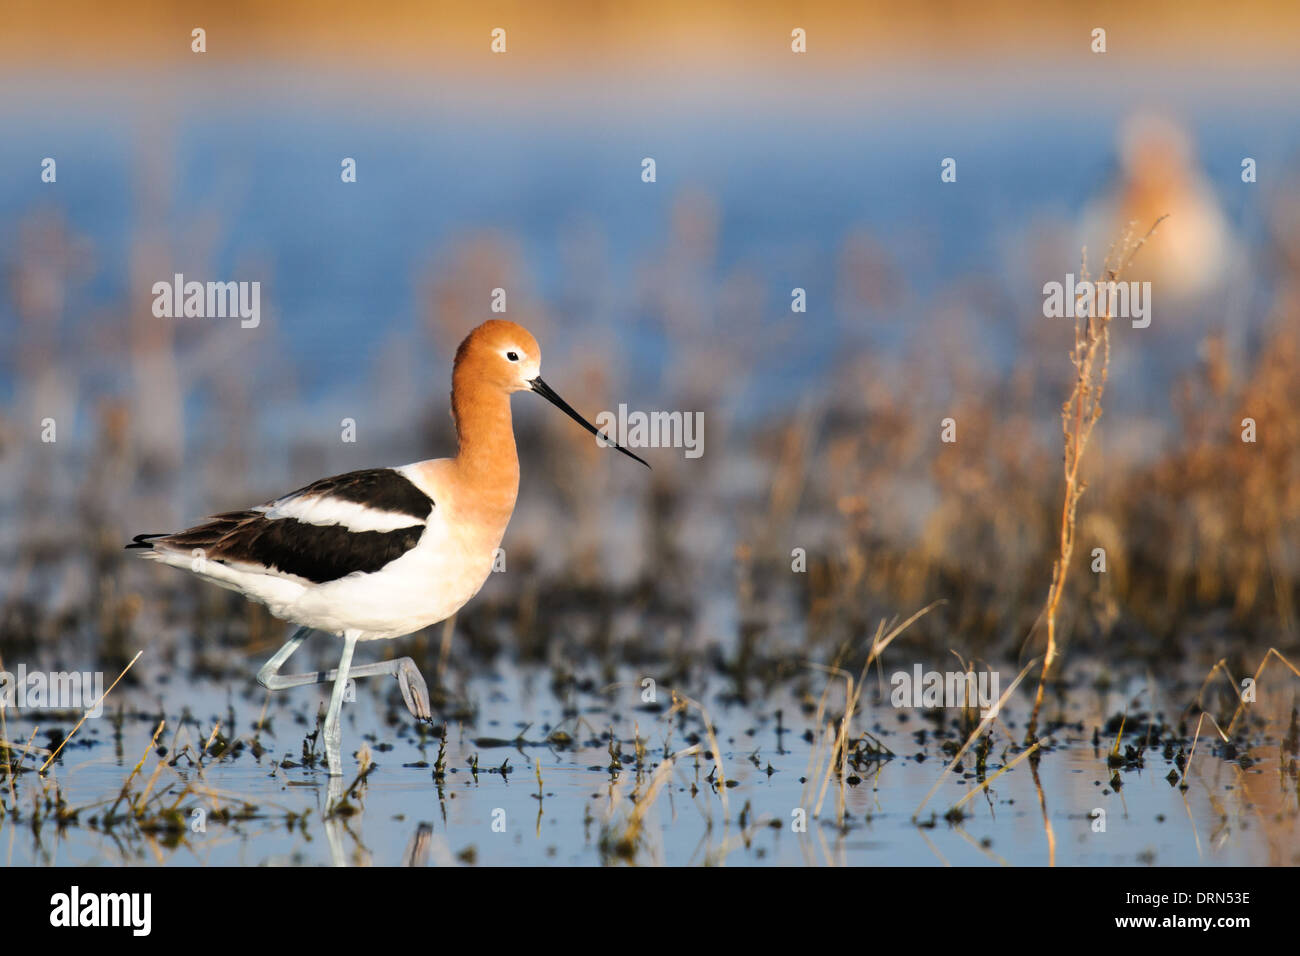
x=428, y=584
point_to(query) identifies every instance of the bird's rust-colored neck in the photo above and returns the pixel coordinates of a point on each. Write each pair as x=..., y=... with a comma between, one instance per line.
x=486, y=460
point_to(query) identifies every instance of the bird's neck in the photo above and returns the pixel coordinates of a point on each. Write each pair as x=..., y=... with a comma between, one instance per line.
x=486, y=460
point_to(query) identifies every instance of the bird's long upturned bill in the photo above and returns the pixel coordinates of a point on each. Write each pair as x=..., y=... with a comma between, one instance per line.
x=548, y=393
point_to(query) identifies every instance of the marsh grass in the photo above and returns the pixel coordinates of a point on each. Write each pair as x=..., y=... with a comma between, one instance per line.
x=831, y=752
x=983, y=725
x=1221, y=666
x=97, y=703
x=623, y=840
x=1090, y=358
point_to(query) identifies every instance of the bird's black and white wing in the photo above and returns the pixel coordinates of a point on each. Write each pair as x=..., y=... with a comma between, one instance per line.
x=348, y=524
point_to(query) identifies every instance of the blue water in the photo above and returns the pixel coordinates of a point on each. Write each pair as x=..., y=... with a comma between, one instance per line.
x=1228, y=816
x=250, y=189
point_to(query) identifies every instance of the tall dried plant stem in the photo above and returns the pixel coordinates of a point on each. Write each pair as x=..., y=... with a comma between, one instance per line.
x=1079, y=415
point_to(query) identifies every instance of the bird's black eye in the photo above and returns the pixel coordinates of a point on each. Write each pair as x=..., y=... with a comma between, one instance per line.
x=513, y=356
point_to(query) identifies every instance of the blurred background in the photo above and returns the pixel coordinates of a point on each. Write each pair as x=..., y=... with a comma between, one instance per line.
x=775, y=171
x=825, y=500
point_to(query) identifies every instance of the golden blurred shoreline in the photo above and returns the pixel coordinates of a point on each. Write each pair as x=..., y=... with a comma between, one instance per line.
x=663, y=37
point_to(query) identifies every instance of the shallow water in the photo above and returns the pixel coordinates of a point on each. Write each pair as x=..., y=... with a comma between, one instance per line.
x=1230, y=814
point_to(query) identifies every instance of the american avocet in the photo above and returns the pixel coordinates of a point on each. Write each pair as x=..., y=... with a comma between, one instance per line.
x=380, y=553
x=1158, y=177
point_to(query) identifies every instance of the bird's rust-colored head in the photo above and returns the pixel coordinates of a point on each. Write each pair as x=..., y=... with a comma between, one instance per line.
x=503, y=356
x=500, y=354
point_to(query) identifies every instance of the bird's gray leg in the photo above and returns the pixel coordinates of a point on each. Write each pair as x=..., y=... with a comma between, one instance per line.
x=333, y=730
x=333, y=826
x=414, y=690
x=269, y=676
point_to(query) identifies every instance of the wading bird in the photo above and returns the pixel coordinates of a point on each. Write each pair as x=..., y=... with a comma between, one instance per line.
x=380, y=553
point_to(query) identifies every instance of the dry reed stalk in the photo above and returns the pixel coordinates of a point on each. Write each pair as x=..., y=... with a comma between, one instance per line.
x=641, y=806
x=126, y=787
x=1222, y=665
x=853, y=691
x=212, y=739
x=814, y=769
x=983, y=785
x=1048, y=832
x=28, y=749
x=92, y=707
x=1241, y=704
x=830, y=733
x=1090, y=357
x=992, y=716
x=1197, y=736
x=138, y=806
x=681, y=702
